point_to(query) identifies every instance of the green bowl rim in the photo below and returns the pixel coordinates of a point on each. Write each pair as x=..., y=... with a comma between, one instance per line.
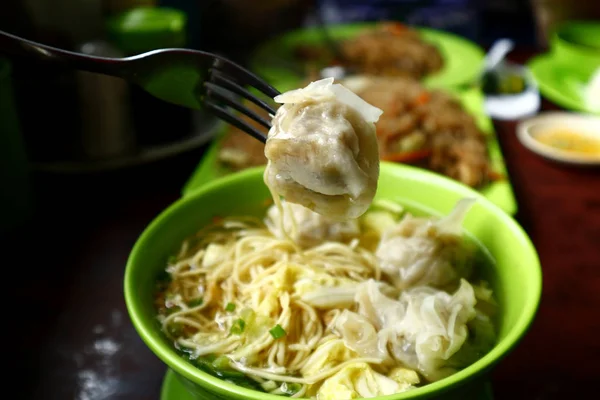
x=558, y=38
x=174, y=361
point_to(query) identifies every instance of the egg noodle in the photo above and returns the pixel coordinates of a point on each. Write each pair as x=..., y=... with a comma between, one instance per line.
x=262, y=305
x=255, y=271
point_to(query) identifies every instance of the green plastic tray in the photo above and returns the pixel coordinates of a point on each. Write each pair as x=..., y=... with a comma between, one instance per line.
x=275, y=61
x=499, y=192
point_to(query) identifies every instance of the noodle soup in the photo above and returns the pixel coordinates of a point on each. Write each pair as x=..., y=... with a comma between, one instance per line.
x=297, y=304
x=327, y=295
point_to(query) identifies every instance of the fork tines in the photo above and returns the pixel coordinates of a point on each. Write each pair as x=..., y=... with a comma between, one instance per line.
x=224, y=86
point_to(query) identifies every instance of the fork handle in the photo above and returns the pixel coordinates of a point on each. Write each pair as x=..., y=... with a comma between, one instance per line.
x=19, y=47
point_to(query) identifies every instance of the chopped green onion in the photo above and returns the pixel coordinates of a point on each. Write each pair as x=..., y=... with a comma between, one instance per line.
x=269, y=386
x=195, y=302
x=230, y=307
x=277, y=332
x=222, y=368
x=221, y=363
x=238, y=326
x=229, y=373
x=172, y=260
x=290, y=388
x=243, y=382
x=204, y=364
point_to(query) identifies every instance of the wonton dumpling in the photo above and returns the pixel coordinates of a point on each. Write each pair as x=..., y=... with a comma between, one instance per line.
x=322, y=150
x=308, y=228
x=482, y=337
x=434, y=328
x=326, y=356
x=360, y=335
x=364, y=331
x=426, y=251
x=423, y=329
x=359, y=380
x=321, y=290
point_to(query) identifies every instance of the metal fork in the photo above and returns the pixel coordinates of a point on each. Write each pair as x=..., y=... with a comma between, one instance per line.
x=188, y=78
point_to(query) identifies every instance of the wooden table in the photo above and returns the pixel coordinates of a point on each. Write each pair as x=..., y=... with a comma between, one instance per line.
x=559, y=207
x=67, y=332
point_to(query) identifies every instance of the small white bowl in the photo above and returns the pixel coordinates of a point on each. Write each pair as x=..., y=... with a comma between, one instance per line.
x=583, y=124
x=514, y=106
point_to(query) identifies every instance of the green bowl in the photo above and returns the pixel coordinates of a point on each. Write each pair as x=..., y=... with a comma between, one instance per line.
x=577, y=43
x=515, y=275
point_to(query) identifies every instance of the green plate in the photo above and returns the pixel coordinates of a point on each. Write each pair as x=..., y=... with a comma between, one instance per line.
x=499, y=192
x=560, y=82
x=276, y=62
x=173, y=389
